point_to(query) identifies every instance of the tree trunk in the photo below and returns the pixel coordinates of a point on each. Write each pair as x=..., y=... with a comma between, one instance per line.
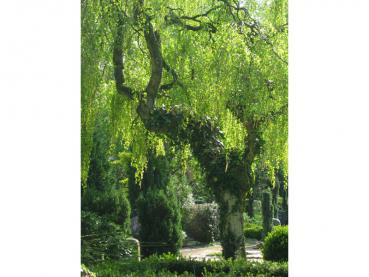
x=231, y=226
x=250, y=205
x=275, y=198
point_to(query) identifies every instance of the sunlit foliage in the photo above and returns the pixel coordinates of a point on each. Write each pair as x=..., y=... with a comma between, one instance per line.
x=236, y=60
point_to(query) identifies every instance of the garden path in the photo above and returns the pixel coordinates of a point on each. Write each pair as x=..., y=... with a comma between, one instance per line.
x=213, y=252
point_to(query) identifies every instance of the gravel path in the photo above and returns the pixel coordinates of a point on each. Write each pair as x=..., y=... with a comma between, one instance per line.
x=213, y=252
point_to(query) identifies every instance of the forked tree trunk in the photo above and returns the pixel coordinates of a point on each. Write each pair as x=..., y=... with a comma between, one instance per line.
x=231, y=226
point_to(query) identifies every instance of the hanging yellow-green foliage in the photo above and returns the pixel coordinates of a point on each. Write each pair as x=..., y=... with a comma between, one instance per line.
x=230, y=59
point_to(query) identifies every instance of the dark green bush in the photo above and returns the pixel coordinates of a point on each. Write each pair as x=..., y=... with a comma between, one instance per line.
x=160, y=220
x=253, y=231
x=275, y=246
x=102, y=239
x=267, y=211
x=172, y=265
x=111, y=204
x=202, y=222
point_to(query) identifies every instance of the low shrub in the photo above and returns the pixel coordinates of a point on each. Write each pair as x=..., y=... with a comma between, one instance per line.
x=253, y=231
x=275, y=246
x=202, y=222
x=102, y=240
x=111, y=204
x=175, y=266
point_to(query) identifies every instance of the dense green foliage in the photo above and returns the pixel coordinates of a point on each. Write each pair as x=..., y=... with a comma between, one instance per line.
x=105, y=215
x=158, y=210
x=102, y=239
x=254, y=231
x=275, y=246
x=202, y=222
x=160, y=220
x=172, y=264
x=112, y=204
x=85, y=272
x=252, y=52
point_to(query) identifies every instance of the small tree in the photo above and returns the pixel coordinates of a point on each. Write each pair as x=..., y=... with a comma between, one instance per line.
x=160, y=223
x=158, y=210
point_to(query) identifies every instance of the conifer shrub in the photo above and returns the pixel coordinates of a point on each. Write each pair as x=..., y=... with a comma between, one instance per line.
x=267, y=211
x=160, y=220
x=275, y=247
x=102, y=239
x=111, y=204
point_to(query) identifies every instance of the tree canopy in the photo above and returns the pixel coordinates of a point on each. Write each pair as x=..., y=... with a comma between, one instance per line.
x=224, y=59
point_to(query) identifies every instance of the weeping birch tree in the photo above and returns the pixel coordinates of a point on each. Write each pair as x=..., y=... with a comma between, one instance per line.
x=208, y=75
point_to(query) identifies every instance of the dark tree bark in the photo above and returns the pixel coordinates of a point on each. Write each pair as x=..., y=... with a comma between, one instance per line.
x=250, y=205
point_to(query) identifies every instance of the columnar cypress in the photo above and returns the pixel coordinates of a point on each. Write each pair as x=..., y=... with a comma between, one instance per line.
x=275, y=197
x=267, y=211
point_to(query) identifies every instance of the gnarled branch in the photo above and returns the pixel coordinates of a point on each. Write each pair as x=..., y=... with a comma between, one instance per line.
x=174, y=76
x=118, y=62
x=174, y=19
x=154, y=45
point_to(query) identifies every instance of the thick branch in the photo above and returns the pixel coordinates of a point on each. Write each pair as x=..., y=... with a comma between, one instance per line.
x=118, y=62
x=174, y=19
x=201, y=15
x=205, y=140
x=153, y=44
x=174, y=76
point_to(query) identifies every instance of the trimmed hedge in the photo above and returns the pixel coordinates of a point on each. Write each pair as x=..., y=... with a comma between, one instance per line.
x=275, y=246
x=173, y=265
x=253, y=231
